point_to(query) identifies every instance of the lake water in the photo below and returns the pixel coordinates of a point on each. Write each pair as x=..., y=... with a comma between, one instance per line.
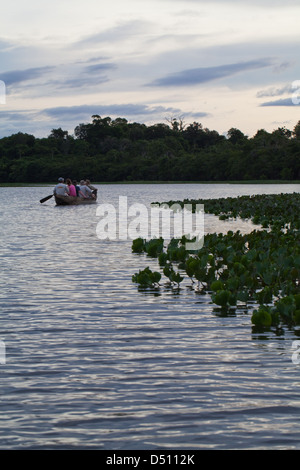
x=92, y=362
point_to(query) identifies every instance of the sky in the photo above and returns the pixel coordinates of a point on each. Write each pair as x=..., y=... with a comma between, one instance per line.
x=221, y=63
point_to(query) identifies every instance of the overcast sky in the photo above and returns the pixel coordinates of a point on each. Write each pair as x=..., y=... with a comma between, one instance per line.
x=223, y=63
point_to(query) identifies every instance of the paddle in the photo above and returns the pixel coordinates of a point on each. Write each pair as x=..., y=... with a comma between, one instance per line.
x=46, y=198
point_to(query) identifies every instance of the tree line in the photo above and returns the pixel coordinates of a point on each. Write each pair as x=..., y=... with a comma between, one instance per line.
x=114, y=150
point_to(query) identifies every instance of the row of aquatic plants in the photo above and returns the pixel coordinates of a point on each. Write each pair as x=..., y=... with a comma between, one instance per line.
x=261, y=268
x=267, y=210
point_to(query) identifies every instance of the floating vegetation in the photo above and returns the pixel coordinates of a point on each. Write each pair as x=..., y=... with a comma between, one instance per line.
x=268, y=210
x=147, y=278
x=261, y=268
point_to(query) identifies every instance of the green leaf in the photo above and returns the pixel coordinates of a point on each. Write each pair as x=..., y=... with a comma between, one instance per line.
x=265, y=296
x=286, y=306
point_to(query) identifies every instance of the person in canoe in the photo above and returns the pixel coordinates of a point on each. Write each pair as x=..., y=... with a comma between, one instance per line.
x=94, y=190
x=88, y=184
x=85, y=191
x=61, y=189
x=76, y=185
x=72, y=189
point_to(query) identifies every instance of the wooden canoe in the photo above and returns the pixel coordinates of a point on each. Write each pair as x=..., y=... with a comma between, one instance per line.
x=74, y=201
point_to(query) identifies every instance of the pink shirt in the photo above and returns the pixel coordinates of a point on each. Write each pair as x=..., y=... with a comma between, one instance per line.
x=72, y=190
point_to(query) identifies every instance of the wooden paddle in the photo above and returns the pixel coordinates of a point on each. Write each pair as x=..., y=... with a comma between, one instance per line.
x=46, y=198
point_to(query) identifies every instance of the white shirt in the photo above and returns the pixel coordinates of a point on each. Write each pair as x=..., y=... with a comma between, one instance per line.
x=87, y=192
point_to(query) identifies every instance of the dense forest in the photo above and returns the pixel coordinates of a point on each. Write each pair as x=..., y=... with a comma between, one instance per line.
x=108, y=150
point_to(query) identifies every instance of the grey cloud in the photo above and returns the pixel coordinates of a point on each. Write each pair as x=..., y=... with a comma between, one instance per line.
x=92, y=59
x=199, y=114
x=27, y=121
x=282, y=102
x=100, y=67
x=77, y=113
x=18, y=115
x=115, y=109
x=89, y=76
x=18, y=76
x=275, y=91
x=78, y=82
x=65, y=77
x=206, y=74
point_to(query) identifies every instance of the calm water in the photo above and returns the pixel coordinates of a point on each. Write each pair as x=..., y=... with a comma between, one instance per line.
x=92, y=362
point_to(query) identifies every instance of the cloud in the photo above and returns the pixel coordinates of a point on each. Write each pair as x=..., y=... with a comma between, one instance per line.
x=208, y=74
x=283, y=102
x=86, y=111
x=52, y=80
x=275, y=91
x=92, y=59
x=198, y=115
x=18, y=76
x=18, y=115
x=100, y=67
x=84, y=83
x=88, y=77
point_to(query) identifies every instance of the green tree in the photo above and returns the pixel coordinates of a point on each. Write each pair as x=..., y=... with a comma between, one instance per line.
x=58, y=134
x=296, y=131
x=235, y=136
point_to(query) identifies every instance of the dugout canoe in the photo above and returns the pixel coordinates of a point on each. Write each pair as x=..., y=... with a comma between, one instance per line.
x=74, y=201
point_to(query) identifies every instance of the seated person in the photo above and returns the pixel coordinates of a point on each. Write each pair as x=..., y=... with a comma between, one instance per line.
x=72, y=189
x=76, y=187
x=85, y=191
x=61, y=189
x=88, y=183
